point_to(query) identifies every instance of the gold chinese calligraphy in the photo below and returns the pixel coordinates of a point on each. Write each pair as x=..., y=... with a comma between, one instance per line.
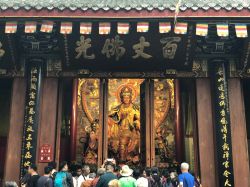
x=82, y=46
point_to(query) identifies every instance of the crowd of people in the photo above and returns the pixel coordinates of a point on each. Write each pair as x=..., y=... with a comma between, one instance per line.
x=109, y=175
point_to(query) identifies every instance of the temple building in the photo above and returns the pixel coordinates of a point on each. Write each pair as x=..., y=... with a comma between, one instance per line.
x=149, y=83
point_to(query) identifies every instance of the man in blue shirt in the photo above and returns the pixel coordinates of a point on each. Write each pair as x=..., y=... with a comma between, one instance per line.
x=185, y=179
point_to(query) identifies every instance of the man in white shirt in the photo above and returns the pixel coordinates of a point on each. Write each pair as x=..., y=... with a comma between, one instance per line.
x=82, y=175
x=85, y=172
x=78, y=179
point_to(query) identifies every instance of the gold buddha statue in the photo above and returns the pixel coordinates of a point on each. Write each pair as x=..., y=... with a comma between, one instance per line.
x=124, y=128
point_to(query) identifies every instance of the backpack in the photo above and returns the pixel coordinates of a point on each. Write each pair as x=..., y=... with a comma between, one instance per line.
x=61, y=180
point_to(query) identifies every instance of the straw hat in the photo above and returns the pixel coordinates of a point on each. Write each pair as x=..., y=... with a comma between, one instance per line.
x=126, y=171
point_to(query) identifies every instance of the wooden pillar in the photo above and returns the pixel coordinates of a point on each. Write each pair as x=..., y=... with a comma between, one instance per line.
x=179, y=137
x=239, y=134
x=73, y=124
x=59, y=122
x=205, y=133
x=13, y=155
x=48, y=117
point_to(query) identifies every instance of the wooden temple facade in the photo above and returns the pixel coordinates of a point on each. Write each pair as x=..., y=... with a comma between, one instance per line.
x=47, y=49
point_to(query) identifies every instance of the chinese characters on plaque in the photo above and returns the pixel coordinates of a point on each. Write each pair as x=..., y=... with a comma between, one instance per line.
x=170, y=46
x=115, y=47
x=82, y=46
x=30, y=120
x=223, y=131
x=139, y=48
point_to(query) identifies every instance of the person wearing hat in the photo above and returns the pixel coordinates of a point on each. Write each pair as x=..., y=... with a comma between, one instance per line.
x=126, y=180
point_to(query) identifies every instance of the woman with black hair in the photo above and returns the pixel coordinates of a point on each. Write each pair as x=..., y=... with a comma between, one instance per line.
x=141, y=180
x=25, y=178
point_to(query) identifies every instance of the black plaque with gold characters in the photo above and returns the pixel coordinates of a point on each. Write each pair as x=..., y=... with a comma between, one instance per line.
x=222, y=125
x=29, y=141
x=123, y=52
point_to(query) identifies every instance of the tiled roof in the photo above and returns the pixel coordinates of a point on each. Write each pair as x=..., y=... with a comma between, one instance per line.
x=124, y=4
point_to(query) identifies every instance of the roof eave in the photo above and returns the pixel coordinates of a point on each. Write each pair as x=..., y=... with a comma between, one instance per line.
x=122, y=13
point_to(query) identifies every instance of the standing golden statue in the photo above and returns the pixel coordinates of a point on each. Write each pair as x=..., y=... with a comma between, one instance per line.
x=91, y=154
x=124, y=128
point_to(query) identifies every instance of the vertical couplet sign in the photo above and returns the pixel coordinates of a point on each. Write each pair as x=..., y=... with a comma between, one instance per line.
x=222, y=125
x=29, y=141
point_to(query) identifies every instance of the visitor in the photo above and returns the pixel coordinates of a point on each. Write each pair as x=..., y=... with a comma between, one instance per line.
x=197, y=182
x=136, y=173
x=117, y=171
x=100, y=172
x=174, y=178
x=141, y=181
x=109, y=161
x=165, y=179
x=10, y=184
x=114, y=183
x=156, y=177
x=32, y=170
x=168, y=180
x=45, y=180
x=24, y=180
x=185, y=179
x=85, y=172
x=63, y=176
x=77, y=177
x=89, y=181
x=108, y=176
x=151, y=181
x=53, y=165
x=126, y=179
